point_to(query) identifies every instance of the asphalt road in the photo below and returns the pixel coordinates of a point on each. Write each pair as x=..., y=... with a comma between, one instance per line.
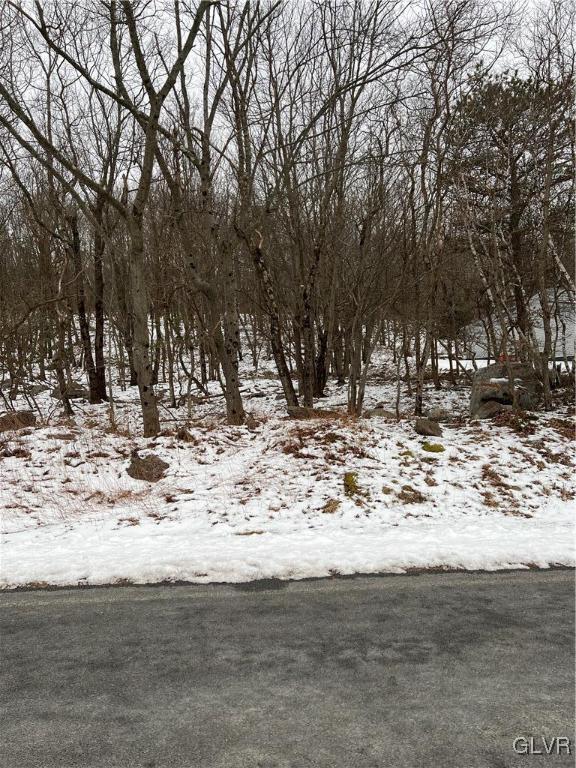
x=428, y=671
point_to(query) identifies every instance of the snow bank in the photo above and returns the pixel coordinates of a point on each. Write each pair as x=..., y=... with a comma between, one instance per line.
x=241, y=503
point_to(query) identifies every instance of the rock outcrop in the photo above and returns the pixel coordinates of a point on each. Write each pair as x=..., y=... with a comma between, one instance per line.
x=428, y=428
x=492, y=386
x=381, y=413
x=436, y=413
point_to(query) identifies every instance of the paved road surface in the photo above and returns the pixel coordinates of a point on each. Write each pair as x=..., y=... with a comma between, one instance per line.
x=430, y=671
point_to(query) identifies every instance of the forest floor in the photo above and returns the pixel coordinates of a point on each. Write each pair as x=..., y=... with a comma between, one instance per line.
x=271, y=500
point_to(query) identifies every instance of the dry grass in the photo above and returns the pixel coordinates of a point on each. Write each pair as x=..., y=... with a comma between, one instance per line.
x=11, y=451
x=561, y=457
x=409, y=495
x=515, y=512
x=331, y=506
x=185, y=436
x=489, y=499
x=490, y=475
x=521, y=422
x=128, y=521
x=321, y=435
x=564, y=427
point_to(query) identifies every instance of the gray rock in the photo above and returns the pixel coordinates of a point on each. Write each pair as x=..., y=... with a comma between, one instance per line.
x=491, y=384
x=427, y=427
x=380, y=413
x=490, y=408
x=74, y=391
x=17, y=420
x=150, y=468
x=438, y=414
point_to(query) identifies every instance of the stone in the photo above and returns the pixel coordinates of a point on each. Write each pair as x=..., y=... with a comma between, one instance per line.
x=17, y=420
x=491, y=408
x=491, y=384
x=150, y=468
x=74, y=391
x=381, y=413
x=438, y=414
x=427, y=427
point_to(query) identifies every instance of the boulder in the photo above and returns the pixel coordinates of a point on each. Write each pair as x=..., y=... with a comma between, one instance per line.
x=381, y=413
x=428, y=428
x=491, y=408
x=438, y=414
x=74, y=391
x=17, y=420
x=150, y=468
x=491, y=384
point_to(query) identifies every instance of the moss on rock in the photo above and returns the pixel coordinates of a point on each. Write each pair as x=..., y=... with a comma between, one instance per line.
x=351, y=487
x=432, y=447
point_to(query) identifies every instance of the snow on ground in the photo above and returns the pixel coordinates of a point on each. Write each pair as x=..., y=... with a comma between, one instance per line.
x=269, y=499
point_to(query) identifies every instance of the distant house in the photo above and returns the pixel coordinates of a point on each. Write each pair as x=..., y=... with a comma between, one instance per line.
x=473, y=343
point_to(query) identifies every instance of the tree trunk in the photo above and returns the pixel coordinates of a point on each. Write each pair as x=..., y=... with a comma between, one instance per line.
x=231, y=341
x=141, y=336
x=275, y=326
x=82, y=317
x=321, y=373
x=100, y=365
